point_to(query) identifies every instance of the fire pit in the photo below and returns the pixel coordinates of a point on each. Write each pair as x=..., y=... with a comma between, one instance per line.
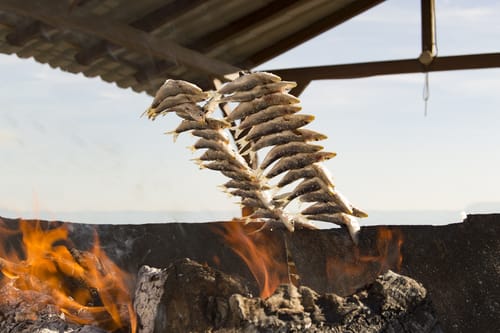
x=336, y=282
x=253, y=274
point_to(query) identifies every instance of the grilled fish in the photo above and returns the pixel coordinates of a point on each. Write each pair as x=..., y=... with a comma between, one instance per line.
x=245, y=185
x=259, y=91
x=172, y=101
x=322, y=208
x=209, y=123
x=298, y=161
x=248, y=82
x=293, y=175
x=268, y=114
x=175, y=87
x=280, y=124
x=301, y=134
x=216, y=155
x=211, y=134
x=245, y=194
x=224, y=166
x=288, y=149
x=246, y=109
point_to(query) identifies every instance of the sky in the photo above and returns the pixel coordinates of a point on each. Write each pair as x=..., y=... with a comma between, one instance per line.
x=71, y=146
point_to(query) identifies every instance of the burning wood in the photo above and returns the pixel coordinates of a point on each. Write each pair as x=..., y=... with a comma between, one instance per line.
x=84, y=287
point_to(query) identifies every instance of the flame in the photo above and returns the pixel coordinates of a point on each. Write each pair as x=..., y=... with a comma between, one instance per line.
x=346, y=274
x=87, y=287
x=259, y=251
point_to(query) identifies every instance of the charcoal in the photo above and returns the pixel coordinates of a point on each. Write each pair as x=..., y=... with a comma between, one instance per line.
x=198, y=298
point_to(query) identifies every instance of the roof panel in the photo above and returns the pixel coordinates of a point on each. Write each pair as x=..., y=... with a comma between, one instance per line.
x=149, y=40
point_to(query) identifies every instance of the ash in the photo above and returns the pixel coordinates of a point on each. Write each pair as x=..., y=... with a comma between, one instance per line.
x=32, y=312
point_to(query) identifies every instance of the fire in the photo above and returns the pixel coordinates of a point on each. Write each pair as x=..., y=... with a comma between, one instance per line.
x=345, y=274
x=266, y=258
x=260, y=252
x=87, y=287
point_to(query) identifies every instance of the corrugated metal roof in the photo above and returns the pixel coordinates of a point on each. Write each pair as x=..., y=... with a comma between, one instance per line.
x=139, y=44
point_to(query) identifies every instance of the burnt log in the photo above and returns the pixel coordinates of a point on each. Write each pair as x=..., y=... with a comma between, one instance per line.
x=148, y=293
x=198, y=298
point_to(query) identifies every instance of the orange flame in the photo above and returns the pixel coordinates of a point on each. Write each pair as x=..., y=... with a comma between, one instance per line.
x=346, y=274
x=260, y=252
x=86, y=286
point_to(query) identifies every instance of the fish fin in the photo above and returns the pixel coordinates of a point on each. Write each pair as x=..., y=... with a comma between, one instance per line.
x=146, y=112
x=174, y=134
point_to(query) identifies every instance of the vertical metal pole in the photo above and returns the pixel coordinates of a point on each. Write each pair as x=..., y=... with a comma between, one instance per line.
x=428, y=32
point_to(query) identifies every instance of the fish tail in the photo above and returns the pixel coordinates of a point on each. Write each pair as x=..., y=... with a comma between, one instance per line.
x=353, y=228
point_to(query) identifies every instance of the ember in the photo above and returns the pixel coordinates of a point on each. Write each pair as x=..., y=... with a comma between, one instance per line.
x=85, y=287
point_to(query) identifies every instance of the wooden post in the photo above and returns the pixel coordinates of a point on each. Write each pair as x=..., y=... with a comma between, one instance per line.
x=429, y=50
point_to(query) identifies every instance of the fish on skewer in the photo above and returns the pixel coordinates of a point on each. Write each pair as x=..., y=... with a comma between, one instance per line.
x=268, y=114
x=301, y=135
x=245, y=185
x=248, y=82
x=246, y=109
x=175, y=87
x=259, y=91
x=278, y=125
x=298, y=161
x=265, y=116
x=288, y=149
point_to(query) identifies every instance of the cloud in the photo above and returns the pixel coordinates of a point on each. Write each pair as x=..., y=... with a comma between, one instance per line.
x=114, y=95
x=9, y=137
x=482, y=83
x=389, y=13
x=55, y=76
x=6, y=59
x=483, y=207
x=469, y=14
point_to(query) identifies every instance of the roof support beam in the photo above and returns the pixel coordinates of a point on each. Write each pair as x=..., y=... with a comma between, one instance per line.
x=206, y=43
x=165, y=13
x=210, y=41
x=50, y=12
x=147, y=23
x=407, y=66
x=328, y=22
x=429, y=50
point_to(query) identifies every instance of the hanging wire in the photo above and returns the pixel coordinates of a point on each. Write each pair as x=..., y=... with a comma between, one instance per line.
x=425, y=94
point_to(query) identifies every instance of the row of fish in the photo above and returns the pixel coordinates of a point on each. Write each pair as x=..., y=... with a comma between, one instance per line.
x=265, y=116
x=268, y=117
